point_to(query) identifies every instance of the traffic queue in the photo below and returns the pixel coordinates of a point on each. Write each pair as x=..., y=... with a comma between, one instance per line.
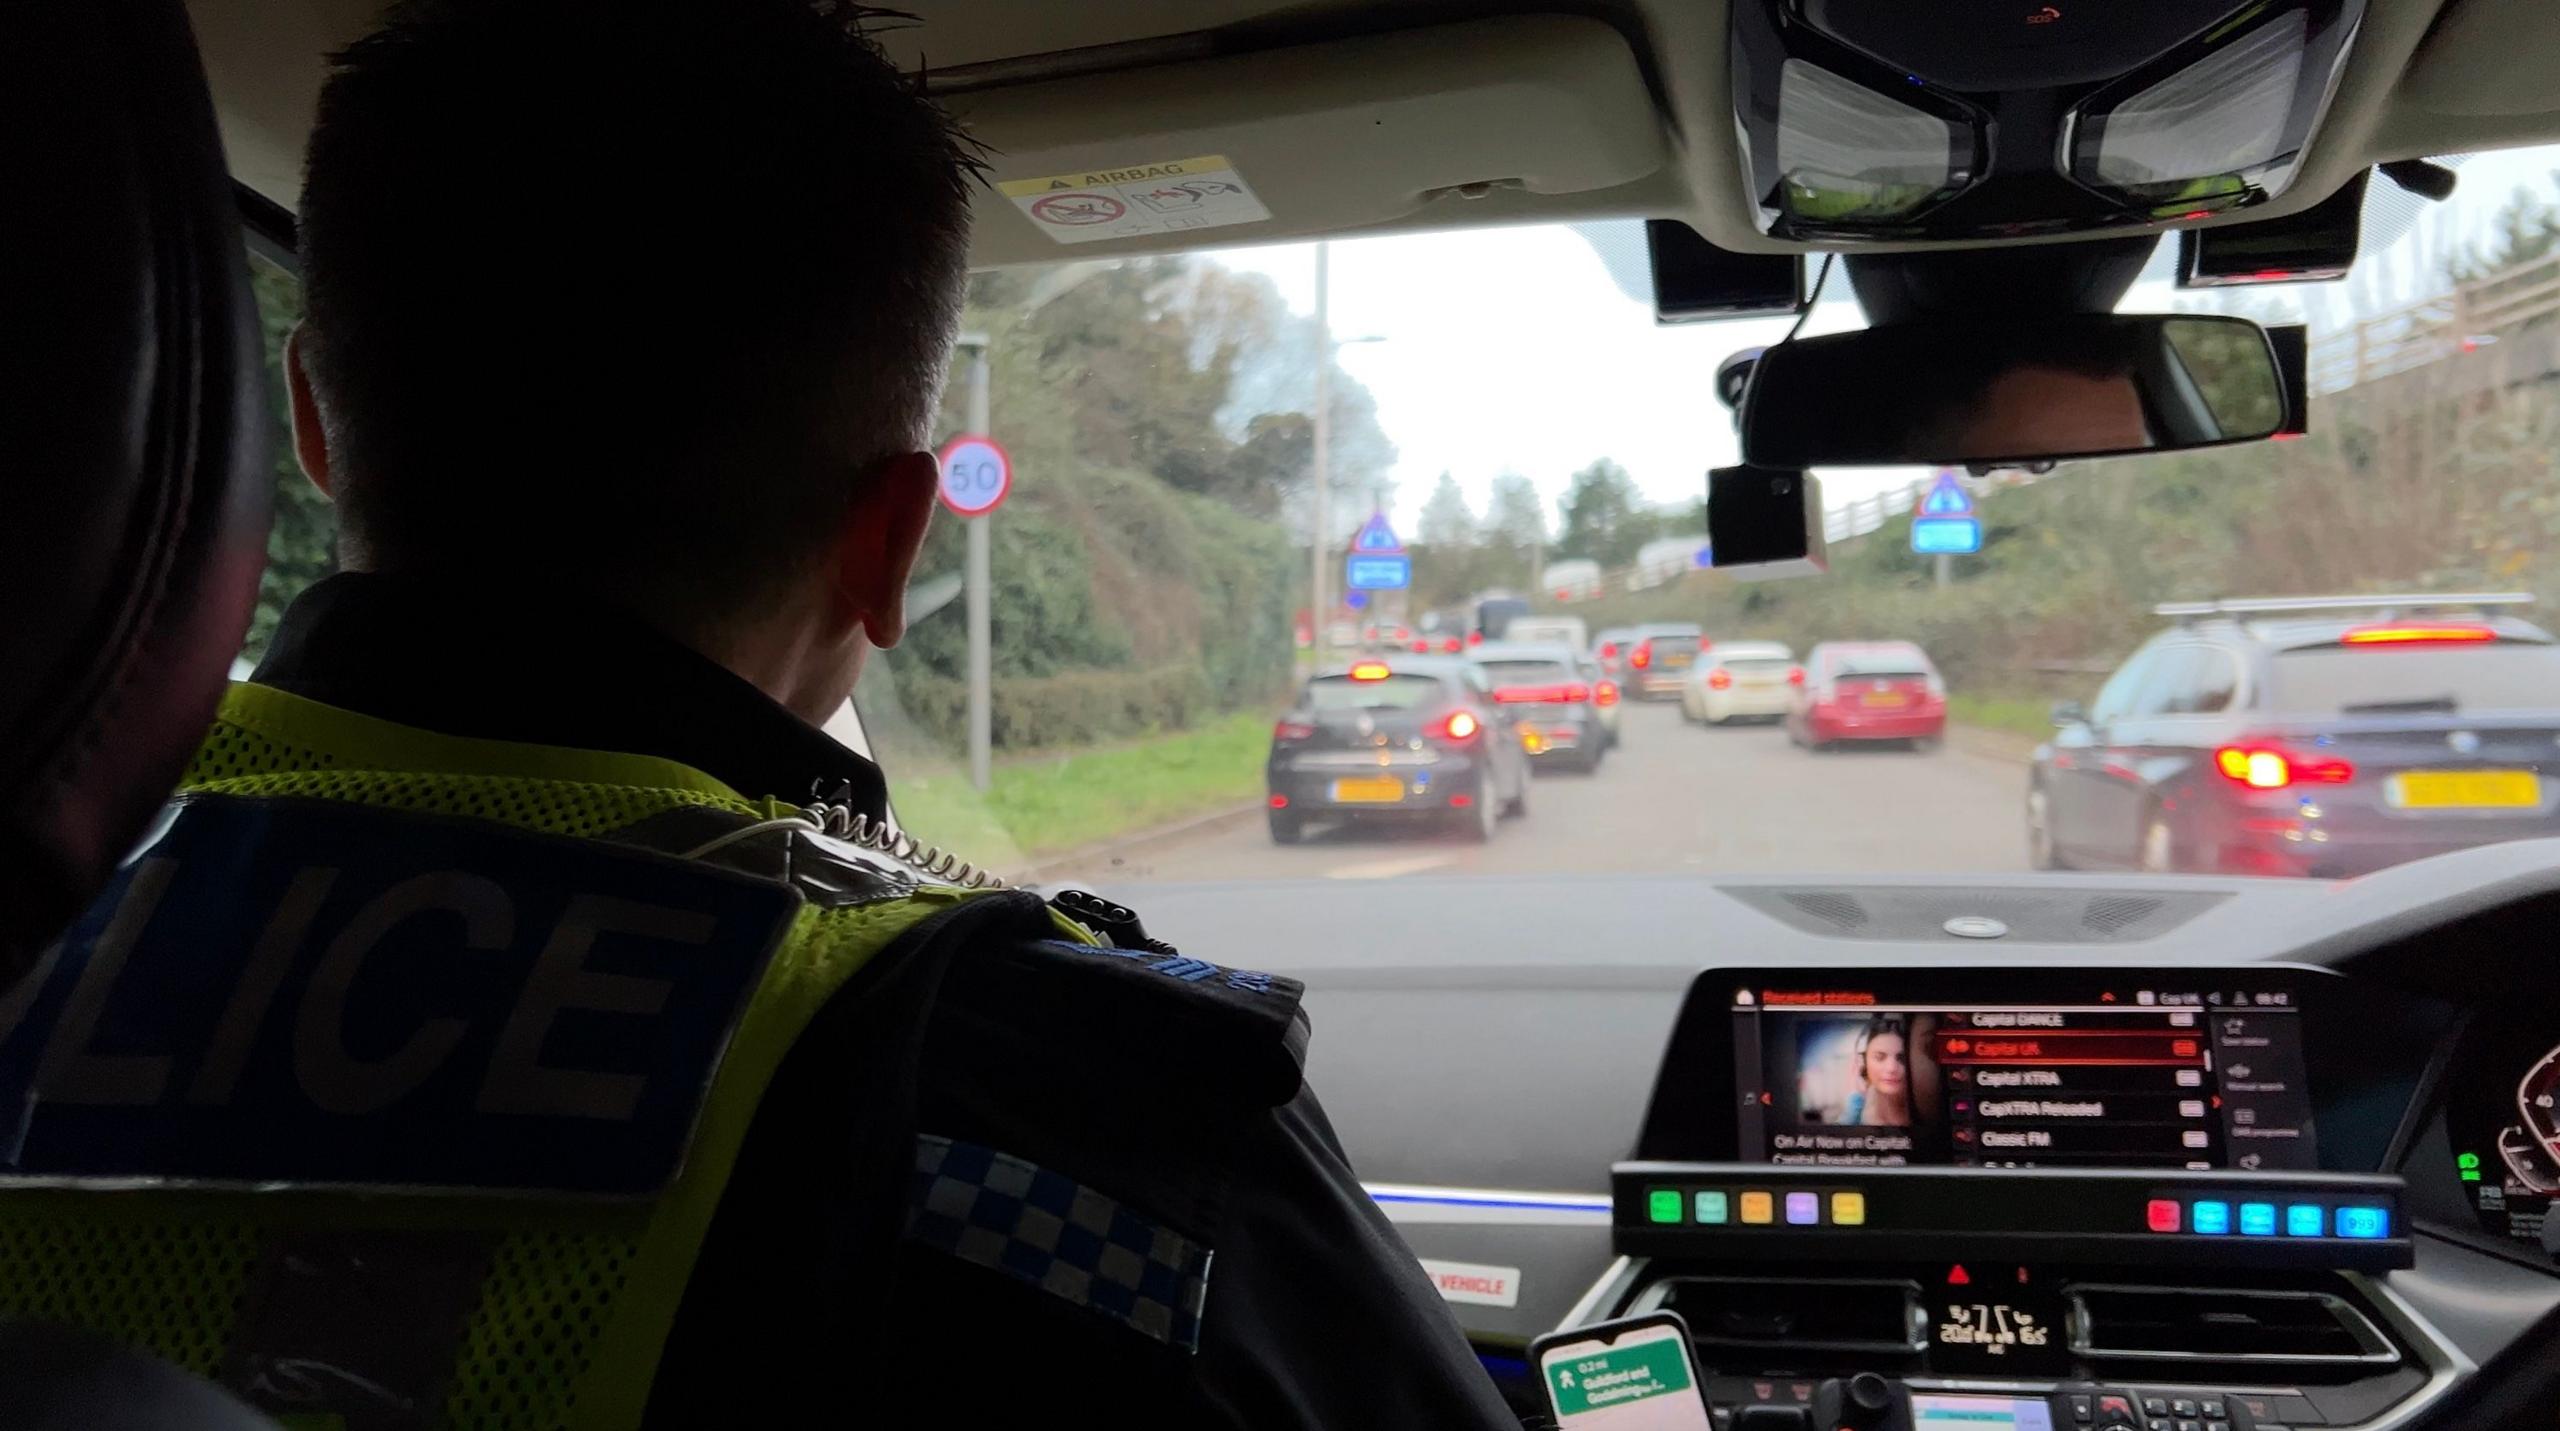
x=1441, y=727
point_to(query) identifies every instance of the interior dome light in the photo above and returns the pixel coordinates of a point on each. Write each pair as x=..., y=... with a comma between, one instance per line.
x=1847, y=153
x=2208, y=131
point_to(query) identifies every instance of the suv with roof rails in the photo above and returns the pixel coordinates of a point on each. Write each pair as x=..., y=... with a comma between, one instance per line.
x=2321, y=736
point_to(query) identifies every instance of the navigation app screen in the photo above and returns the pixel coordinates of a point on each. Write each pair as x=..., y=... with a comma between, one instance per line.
x=2137, y=1077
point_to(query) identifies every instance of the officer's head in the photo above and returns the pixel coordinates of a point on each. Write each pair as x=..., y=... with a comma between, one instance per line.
x=647, y=299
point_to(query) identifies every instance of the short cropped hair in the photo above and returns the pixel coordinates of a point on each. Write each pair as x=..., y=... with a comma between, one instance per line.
x=626, y=293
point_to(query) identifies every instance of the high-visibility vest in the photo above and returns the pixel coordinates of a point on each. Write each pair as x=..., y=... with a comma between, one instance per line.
x=396, y=1082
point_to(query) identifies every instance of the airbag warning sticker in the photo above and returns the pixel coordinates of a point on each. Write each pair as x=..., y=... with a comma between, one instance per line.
x=1204, y=193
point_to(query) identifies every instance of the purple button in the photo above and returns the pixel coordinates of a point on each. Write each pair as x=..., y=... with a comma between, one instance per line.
x=1804, y=1209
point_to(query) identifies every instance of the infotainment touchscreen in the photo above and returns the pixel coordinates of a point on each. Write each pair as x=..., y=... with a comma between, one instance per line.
x=1854, y=1074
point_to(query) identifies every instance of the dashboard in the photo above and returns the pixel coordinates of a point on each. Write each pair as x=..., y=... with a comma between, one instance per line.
x=2280, y=1149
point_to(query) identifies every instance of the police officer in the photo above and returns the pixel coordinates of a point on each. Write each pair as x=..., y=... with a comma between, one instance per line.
x=524, y=1020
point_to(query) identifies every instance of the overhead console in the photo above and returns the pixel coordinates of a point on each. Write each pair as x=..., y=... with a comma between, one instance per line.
x=2033, y=1197
x=1989, y=118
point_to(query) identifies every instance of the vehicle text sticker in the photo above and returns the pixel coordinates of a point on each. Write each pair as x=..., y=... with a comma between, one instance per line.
x=1203, y=193
x=1474, y=1282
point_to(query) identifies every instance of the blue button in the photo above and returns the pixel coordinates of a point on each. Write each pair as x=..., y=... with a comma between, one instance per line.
x=2257, y=1219
x=2211, y=1217
x=2365, y=1222
x=2304, y=1219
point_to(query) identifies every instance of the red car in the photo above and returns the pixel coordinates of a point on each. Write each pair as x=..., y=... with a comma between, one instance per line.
x=1868, y=690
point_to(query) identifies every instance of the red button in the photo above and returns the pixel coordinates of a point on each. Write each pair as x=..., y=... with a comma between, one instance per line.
x=2162, y=1214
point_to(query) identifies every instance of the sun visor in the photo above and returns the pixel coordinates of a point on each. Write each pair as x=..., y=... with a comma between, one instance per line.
x=1474, y=122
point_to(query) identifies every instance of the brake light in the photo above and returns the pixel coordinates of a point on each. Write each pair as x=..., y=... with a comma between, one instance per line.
x=1456, y=725
x=1370, y=671
x=1642, y=656
x=1607, y=694
x=1705, y=645
x=1279, y=802
x=2260, y=768
x=1451, y=646
x=1475, y=638
x=1576, y=695
x=1608, y=650
x=2418, y=635
x=1289, y=729
x=1795, y=675
x=1422, y=648
x=1719, y=679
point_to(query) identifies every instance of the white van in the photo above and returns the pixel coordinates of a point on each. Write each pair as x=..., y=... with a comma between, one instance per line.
x=1570, y=631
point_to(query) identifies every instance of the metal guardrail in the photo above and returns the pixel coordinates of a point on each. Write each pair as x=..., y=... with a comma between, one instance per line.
x=1856, y=519
x=2462, y=320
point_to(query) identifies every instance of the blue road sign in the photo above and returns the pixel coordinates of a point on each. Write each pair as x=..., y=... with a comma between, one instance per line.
x=1946, y=536
x=1376, y=538
x=1355, y=599
x=1947, y=497
x=1377, y=573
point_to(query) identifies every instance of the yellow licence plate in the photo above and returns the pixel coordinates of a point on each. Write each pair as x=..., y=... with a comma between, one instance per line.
x=1884, y=700
x=2466, y=790
x=1373, y=790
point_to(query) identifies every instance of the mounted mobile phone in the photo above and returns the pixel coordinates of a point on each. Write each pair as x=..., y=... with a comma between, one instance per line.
x=1634, y=1374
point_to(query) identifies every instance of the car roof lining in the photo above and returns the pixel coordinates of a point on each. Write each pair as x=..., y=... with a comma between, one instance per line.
x=1357, y=118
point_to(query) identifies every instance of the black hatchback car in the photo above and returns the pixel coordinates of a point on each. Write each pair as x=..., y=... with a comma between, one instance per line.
x=2321, y=736
x=1414, y=740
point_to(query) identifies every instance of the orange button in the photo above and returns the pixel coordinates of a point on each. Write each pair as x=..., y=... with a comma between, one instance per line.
x=1759, y=1207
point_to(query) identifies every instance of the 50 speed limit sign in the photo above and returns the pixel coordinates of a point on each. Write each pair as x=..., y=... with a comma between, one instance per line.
x=976, y=475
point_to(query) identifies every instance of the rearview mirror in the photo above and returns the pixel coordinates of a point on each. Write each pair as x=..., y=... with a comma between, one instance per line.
x=2080, y=385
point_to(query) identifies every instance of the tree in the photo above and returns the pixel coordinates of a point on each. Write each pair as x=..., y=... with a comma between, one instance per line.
x=1600, y=512
x=1448, y=524
x=1516, y=526
x=2526, y=228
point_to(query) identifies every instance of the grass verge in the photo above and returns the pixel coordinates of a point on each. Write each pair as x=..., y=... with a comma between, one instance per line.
x=1042, y=804
x=2016, y=715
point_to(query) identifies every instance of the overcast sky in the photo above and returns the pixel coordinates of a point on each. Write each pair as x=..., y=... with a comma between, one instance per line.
x=1513, y=350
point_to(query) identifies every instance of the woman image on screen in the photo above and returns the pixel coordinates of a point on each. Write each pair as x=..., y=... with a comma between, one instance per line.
x=1883, y=1054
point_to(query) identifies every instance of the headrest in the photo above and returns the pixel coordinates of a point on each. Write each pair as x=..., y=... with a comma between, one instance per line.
x=134, y=474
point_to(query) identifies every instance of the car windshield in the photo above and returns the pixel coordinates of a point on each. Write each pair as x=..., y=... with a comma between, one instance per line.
x=1525, y=673
x=2353, y=680
x=1234, y=469
x=1879, y=663
x=1328, y=694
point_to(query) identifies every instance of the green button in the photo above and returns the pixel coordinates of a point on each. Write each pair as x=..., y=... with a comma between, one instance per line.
x=1663, y=1204
x=1713, y=1207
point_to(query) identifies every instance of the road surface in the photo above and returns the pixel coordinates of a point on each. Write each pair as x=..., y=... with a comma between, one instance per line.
x=1673, y=798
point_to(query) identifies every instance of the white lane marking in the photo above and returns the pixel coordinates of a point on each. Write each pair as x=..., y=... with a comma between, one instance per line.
x=1389, y=869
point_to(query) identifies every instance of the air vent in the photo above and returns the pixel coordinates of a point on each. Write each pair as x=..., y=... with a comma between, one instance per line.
x=1799, y=1314
x=1834, y=909
x=2030, y=914
x=2110, y=913
x=2197, y=1324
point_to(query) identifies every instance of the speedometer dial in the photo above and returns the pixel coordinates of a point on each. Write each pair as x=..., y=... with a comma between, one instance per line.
x=2538, y=1099
x=2503, y=1110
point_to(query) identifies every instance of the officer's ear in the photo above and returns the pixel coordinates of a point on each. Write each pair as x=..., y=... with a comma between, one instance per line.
x=883, y=534
x=310, y=439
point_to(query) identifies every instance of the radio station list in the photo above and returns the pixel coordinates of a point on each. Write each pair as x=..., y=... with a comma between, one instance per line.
x=2170, y=1087
x=2055, y=1087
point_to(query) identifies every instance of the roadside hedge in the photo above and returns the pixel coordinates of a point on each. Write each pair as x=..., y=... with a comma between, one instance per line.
x=1072, y=708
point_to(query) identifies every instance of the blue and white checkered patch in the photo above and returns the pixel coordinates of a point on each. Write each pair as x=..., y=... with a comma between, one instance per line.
x=1046, y=1229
